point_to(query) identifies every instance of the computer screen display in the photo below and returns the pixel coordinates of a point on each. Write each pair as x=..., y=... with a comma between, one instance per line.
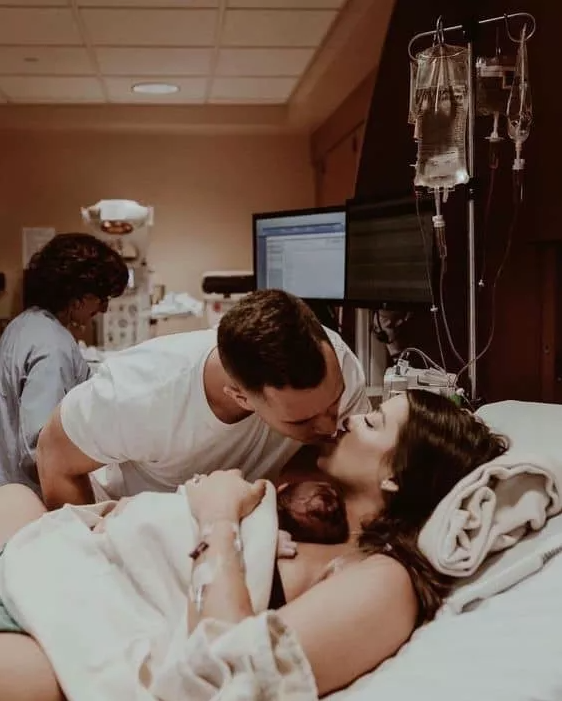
x=302, y=252
x=390, y=259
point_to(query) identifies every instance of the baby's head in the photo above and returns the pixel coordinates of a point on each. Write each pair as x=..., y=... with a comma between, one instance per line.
x=312, y=512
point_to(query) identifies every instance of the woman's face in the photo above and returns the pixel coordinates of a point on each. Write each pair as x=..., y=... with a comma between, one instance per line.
x=358, y=457
x=86, y=308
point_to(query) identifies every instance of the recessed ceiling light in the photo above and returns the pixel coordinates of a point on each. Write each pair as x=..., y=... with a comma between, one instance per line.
x=155, y=88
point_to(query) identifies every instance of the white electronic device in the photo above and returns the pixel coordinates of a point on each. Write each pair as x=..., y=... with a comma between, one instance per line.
x=222, y=289
x=124, y=225
x=401, y=377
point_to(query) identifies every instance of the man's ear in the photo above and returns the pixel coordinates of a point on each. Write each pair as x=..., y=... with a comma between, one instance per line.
x=239, y=396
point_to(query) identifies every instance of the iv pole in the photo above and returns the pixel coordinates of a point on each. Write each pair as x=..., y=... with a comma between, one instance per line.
x=469, y=29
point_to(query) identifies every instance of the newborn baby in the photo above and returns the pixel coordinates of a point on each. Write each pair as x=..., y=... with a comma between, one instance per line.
x=312, y=512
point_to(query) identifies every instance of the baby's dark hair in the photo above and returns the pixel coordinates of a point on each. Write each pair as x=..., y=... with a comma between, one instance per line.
x=438, y=445
x=312, y=512
x=69, y=267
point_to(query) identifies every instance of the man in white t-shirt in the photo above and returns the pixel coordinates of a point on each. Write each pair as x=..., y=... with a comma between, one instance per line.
x=247, y=396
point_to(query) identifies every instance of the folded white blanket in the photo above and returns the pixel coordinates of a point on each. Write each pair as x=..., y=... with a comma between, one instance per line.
x=490, y=510
x=110, y=608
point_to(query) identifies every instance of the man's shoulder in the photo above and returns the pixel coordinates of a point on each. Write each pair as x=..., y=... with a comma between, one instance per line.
x=183, y=349
x=342, y=350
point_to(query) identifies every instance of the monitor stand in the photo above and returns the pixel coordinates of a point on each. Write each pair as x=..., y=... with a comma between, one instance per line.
x=372, y=354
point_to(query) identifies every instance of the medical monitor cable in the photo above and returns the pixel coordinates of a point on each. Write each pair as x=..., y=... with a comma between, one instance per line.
x=493, y=164
x=439, y=228
x=517, y=199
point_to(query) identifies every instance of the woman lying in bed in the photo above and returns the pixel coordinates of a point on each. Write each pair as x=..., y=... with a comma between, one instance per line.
x=393, y=466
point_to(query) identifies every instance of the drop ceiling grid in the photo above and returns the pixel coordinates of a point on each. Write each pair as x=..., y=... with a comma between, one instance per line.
x=216, y=51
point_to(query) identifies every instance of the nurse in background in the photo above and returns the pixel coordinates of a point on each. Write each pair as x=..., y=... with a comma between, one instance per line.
x=68, y=282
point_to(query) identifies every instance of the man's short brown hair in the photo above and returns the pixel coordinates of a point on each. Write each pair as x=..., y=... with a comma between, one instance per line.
x=272, y=339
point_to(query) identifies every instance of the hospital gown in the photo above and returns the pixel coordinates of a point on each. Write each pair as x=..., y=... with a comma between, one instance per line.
x=39, y=363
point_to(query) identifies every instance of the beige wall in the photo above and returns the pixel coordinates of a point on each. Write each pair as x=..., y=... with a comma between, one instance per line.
x=204, y=189
x=336, y=146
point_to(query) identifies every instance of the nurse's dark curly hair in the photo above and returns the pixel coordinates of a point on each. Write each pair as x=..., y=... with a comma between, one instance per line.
x=437, y=446
x=69, y=267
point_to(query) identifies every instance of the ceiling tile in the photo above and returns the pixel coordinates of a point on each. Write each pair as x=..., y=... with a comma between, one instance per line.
x=126, y=61
x=252, y=89
x=31, y=89
x=150, y=27
x=286, y=4
x=191, y=90
x=43, y=60
x=257, y=62
x=149, y=3
x=288, y=28
x=36, y=3
x=42, y=25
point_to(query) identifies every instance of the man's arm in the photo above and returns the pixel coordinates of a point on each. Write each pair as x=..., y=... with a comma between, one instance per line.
x=63, y=468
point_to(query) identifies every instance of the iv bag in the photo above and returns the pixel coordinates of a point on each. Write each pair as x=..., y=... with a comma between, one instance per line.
x=494, y=78
x=519, y=106
x=440, y=106
x=412, y=102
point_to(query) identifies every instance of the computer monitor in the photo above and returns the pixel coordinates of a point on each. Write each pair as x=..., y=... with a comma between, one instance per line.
x=302, y=252
x=390, y=253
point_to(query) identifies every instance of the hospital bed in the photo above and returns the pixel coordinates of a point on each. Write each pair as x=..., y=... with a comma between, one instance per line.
x=507, y=647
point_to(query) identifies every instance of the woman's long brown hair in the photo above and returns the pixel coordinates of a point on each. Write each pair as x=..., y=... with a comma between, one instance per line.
x=438, y=445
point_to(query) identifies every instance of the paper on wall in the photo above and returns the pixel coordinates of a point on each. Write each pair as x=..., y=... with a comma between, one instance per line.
x=33, y=239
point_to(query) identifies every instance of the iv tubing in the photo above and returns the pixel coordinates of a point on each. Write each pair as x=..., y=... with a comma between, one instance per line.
x=472, y=356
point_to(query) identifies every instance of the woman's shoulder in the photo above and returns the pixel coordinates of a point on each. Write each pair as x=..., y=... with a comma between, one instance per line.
x=37, y=332
x=373, y=611
x=373, y=570
x=376, y=565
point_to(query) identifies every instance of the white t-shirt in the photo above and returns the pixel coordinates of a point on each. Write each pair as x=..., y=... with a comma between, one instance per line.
x=145, y=416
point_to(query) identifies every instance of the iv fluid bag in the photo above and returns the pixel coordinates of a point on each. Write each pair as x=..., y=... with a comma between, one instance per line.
x=519, y=106
x=440, y=105
x=412, y=102
x=494, y=78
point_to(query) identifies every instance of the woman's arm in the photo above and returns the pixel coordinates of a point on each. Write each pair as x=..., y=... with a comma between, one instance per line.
x=49, y=374
x=354, y=620
x=347, y=624
x=219, y=585
x=218, y=503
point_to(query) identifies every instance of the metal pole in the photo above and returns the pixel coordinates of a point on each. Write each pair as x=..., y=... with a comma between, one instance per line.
x=362, y=341
x=472, y=325
x=489, y=20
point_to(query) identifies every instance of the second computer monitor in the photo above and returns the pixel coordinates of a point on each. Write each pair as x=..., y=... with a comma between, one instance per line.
x=302, y=252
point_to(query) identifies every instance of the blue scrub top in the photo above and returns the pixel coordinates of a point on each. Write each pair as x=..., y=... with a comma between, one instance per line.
x=40, y=362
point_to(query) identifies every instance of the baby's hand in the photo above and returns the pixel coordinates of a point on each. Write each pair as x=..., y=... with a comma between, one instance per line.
x=286, y=546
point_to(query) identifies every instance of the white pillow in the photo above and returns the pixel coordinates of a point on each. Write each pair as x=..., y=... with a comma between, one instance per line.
x=531, y=426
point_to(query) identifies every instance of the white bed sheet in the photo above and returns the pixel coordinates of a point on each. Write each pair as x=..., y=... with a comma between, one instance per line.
x=509, y=647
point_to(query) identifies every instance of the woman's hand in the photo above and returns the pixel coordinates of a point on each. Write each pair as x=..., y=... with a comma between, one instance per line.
x=223, y=496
